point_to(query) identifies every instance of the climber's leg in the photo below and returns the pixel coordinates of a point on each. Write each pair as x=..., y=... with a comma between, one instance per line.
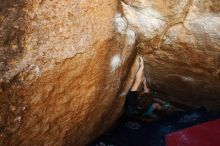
x=157, y=106
x=139, y=75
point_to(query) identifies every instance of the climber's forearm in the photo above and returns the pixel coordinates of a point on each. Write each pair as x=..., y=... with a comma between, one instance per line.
x=146, y=89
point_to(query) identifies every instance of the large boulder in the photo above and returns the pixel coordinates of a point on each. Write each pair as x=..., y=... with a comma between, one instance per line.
x=62, y=67
x=180, y=42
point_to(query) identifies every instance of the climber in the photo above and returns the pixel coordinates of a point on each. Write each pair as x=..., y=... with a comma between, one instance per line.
x=147, y=101
x=144, y=105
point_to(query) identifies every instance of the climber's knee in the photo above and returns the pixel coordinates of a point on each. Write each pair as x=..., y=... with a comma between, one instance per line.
x=156, y=106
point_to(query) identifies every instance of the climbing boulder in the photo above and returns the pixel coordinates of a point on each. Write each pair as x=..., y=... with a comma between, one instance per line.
x=62, y=67
x=180, y=42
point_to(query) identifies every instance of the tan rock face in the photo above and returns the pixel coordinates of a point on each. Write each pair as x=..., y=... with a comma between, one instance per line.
x=64, y=64
x=180, y=42
x=62, y=67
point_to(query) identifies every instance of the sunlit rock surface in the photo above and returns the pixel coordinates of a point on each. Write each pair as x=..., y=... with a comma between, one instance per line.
x=62, y=67
x=180, y=42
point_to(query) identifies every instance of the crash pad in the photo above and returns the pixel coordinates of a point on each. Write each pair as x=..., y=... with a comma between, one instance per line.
x=136, y=133
x=205, y=134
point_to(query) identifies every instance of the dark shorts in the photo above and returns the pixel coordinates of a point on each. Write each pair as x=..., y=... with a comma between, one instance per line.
x=133, y=112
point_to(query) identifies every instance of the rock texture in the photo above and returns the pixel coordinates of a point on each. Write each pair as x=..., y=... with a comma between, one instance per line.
x=62, y=67
x=180, y=42
x=64, y=64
